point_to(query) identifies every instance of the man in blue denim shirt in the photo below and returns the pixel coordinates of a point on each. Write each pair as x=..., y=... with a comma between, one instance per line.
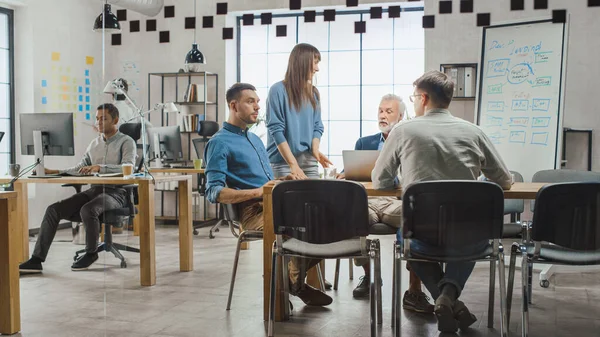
x=237, y=167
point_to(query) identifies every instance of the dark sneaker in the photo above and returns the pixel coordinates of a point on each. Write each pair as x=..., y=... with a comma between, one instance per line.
x=362, y=289
x=311, y=296
x=462, y=314
x=31, y=266
x=84, y=262
x=418, y=302
x=445, y=315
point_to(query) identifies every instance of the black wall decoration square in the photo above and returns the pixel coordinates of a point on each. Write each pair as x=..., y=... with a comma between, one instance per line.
x=445, y=7
x=150, y=25
x=559, y=16
x=164, y=37
x=466, y=6
x=329, y=15
x=295, y=4
x=376, y=12
x=227, y=33
x=134, y=26
x=351, y=3
x=593, y=3
x=221, y=8
x=122, y=14
x=190, y=22
x=115, y=39
x=169, y=11
x=266, y=18
x=310, y=16
x=360, y=27
x=483, y=19
x=394, y=11
x=428, y=21
x=248, y=19
x=540, y=4
x=281, y=31
x=208, y=21
x=517, y=5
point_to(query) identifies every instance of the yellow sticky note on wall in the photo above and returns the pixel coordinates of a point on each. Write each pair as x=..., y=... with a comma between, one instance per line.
x=55, y=56
x=89, y=60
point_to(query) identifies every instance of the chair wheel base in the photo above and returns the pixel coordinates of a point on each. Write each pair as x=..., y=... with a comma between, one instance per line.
x=544, y=283
x=123, y=264
x=196, y=232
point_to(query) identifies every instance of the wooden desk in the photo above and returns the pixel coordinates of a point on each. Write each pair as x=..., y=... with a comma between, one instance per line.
x=518, y=191
x=10, y=255
x=145, y=217
x=176, y=170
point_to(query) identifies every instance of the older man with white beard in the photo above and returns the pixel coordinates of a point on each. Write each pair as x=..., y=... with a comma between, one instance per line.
x=388, y=210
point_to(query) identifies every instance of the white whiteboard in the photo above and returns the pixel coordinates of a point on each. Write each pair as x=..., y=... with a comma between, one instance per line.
x=520, y=93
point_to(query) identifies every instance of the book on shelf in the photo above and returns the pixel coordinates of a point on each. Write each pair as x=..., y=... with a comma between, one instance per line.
x=190, y=123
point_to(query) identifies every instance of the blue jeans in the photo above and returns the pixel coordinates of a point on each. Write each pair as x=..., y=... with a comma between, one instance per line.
x=431, y=273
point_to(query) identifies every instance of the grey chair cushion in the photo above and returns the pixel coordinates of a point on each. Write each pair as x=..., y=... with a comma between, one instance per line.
x=512, y=230
x=382, y=229
x=487, y=252
x=331, y=250
x=558, y=254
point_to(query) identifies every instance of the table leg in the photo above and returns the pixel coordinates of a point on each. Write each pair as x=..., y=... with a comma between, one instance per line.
x=136, y=226
x=268, y=239
x=147, y=233
x=23, y=212
x=10, y=256
x=186, y=250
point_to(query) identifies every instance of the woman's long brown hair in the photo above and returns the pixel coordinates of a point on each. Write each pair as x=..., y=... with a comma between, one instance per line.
x=299, y=72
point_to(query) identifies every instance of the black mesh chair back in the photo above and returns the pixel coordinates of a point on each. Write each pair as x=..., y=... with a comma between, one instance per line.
x=454, y=213
x=320, y=211
x=207, y=128
x=568, y=214
x=133, y=130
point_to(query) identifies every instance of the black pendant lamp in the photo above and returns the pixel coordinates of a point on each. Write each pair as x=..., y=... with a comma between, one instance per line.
x=107, y=21
x=194, y=57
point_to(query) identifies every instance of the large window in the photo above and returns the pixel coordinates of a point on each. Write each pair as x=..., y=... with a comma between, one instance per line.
x=356, y=70
x=7, y=153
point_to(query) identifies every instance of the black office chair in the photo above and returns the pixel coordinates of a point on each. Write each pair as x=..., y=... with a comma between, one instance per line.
x=323, y=219
x=565, y=231
x=115, y=218
x=451, y=215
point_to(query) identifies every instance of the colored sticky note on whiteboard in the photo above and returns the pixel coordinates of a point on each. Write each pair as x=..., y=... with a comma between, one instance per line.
x=80, y=98
x=89, y=60
x=44, y=83
x=44, y=100
x=55, y=56
x=87, y=116
x=87, y=107
x=80, y=89
x=80, y=108
x=87, y=72
x=87, y=81
x=87, y=90
x=87, y=99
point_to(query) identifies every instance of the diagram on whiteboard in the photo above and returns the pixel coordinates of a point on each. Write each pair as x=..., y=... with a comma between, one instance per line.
x=519, y=93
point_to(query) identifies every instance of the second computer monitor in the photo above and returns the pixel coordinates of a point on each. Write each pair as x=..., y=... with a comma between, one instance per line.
x=56, y=129
x=169, y=139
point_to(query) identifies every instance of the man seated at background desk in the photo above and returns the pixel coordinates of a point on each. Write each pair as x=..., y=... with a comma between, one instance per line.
x=105, y=154
x=439, y=146
x=237, y=167
x=388, y=210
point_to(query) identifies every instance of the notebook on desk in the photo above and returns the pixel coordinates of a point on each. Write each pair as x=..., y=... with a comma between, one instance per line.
x=358, y=164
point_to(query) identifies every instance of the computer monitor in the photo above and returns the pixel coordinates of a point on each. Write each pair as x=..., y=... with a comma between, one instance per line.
x=165, y=143
x=47, y=134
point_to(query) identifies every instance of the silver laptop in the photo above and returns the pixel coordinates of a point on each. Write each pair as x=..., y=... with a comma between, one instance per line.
x=358, y=164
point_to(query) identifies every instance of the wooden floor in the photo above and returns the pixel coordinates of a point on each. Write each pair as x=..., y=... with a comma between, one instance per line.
x=108, y=300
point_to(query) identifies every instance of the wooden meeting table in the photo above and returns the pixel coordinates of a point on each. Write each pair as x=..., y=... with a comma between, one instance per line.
x=517, y=191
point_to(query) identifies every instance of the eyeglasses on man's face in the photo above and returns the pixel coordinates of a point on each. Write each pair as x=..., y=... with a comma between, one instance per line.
x=414, y=97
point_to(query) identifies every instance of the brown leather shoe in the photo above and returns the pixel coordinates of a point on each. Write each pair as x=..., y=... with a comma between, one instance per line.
x=310, y=295
x=462, y=314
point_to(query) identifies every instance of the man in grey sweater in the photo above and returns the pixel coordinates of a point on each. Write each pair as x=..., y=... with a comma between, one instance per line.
x=439, y=146
x=105, y=154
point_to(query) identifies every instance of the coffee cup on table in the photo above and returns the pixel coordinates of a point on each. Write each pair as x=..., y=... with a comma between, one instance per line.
x=127, y=170
x=197, y=164
x=14, y=170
